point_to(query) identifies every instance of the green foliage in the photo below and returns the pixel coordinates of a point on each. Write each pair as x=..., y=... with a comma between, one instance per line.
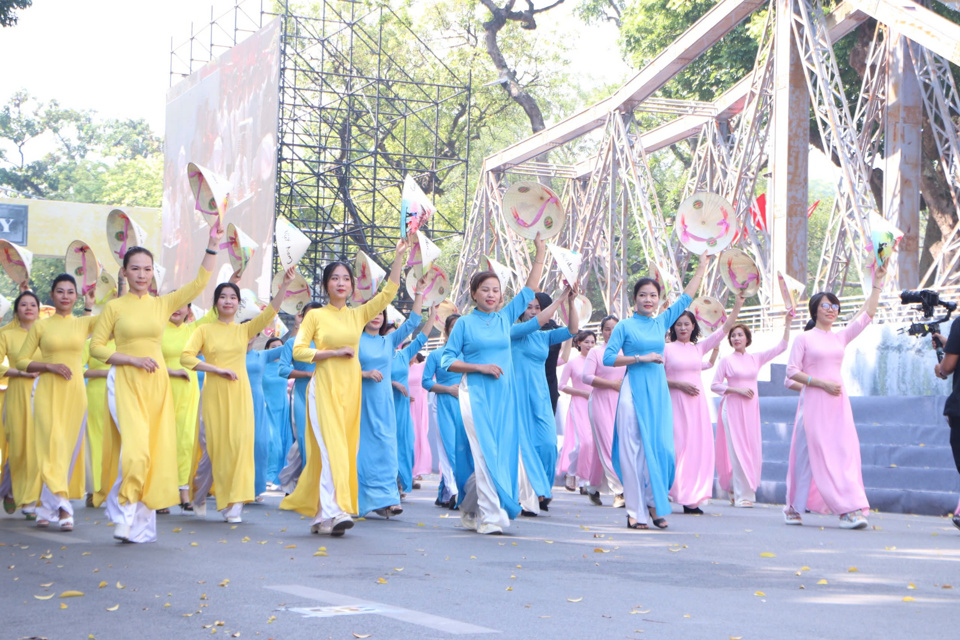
x=42, y=273
x=8, y=9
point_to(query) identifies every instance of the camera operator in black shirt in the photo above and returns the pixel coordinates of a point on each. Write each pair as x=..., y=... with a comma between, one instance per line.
x=952, y=408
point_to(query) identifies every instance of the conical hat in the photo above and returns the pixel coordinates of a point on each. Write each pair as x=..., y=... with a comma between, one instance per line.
x=436, y=288
x=706, y=222
x=291, y=243
x=105, y=291
x=276, y=329
x=584, y=310
x=123, y=233
x=297, y=295
x=791, y=290
x=739, y=272
x=530, y=207
x=46, y=311
x=211, y=193
x=81, y=263
x=158, y=274
x=444, y=310
x=709, y=314
x=16, y=261
x=424, y=253
x=568, y=262
x=368, y=275
x=250, y=306
x=504, y=273
x=394, y=316
x=664, y=277
x=239, y=246
x=4, y=306
x=415, y=207
x=884, y=238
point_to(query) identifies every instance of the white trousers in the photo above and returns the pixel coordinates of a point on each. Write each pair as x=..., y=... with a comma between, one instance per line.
x=529, y=500
x=203, y=479
x=446, y=469
x=327, y=507
x=480, y=508
x=637, y=493
x=742, y=492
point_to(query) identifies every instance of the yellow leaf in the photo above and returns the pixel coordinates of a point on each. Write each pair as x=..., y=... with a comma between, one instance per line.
x=63, y=605
x=46, y=597
x=519, y=566
x=909, y=599
x=225, y=582
x=166, y=605
x=473, y=557
x=911, y=586
x=177, y=529
x=759, y=594
x=575, y=599
x=600, y=550
x=398, y=569
x=245, y=539
x=549, y=541
x=71, y=594
x=290, y=546
x=121, y=586
x=509, y=589
x=821, y=581
x=420, y=524
x=362, y=635
x=946, y=586
x=49, y=584
x=320, y=553
x=271, y=619
x=736, y=637
x=804, y=568
x=85, y=553
x=767, y=554
x=113, y=608
x=852, y=570
x=382, y=580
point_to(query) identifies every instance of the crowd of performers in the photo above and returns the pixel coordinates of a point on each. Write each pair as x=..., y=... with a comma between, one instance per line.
x=177, y=408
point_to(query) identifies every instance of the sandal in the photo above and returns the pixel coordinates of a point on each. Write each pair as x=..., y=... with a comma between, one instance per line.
x=383, y=513
x=659, y=523
x=956, y=520
x=636, y=525
x=792, y=517
x=8, y=504
x=66, y=524
x=396, y=510
x=693, y=510
x=41, y=523
x=853, y=520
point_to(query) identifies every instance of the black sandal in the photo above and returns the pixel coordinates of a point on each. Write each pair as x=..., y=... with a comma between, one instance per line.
x=660, y=523
x=636, y=525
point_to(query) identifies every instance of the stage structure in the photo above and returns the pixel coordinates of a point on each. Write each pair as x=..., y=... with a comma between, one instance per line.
x=759, y=125
x=363, y=101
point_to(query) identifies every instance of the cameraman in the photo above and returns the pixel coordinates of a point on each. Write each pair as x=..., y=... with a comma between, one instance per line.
x=952, y=407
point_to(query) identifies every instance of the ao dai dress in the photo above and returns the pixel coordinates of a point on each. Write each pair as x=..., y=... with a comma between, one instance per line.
x=422, y=457
x=589, y=469
x=300, y=385
x=455, y=459
x=96, y=417
x=328, y=484
x=377, y=453
x=278, y=405
x=692, y=426
x=739, y=450
x=406, y=432
x=18, y=423
x=227, y=405
x=58, y=408
x=264, y=430
x=643, y=437
x=602, y=408
x=825, y=450
x=490, y=412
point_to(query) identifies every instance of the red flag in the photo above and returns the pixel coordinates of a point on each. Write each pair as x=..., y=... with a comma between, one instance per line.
x=758, y=212
x=812, y=208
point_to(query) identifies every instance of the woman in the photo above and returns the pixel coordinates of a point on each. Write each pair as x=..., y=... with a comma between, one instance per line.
x=60, y=399
x=739, y=450
x=327, y=490
x=692, y=427
x=300, y=373
x=825, y=450
x=602, y=409
x=400, y=374
x=264, y=433
x=453, y=451
x=95, y=376
x=480, y=347
x=227, y=402
x=138, y=387
x=277, y=397
x=419, y=408
x=588, y=469
x=377, y=470
x=643, y=435
x=538, y=434
x=18, y=424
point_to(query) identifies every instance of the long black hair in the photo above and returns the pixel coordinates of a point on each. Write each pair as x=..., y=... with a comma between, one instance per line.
x=814, y=306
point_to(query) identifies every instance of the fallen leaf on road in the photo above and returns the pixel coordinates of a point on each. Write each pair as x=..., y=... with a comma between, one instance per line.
x=804, y=568
x=225, y=582
x=600, y=550
x=822, y=581
x=102, y=584
x=63, y=605
x=320, y=553
x=852, y=570
x=46, y=597
x=909, y=599
x=759, y=594
x=549, y=541
x=113, y=608
x=290, y=546
x=398, y=569
x=911, y=586
x=194, y=544
x=362, y=635
x=767, y=554
x=575, y=599
x=509, y=589
x=49, y=584
x=71, y=594
x=121, y=586
x=271, y=619
x=382, y=580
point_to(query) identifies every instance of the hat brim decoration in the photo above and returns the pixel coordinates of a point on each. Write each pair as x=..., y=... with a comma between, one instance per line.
x=123, y=233
x=424, y=254
x=791, y=290
x=211, y=193
x=276, y=329
x=158, y=274
x=297, y=294
x=240, y=247
x=105, y=291
x=568, y=262
x=436, y=286
x=584, y=310
x=250, y=306
x=706, y=223
x=415, y=207
x=504, y=273
x=368, y=275
x=444, y=310
x=739, y=272
x=16, y=261
x=82, y=264
x=530, y=208
x=292, y=244
x=709, y=314
x=884, y=239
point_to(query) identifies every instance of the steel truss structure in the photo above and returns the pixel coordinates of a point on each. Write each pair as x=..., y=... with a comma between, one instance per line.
x=363, y=103
x=614, y=215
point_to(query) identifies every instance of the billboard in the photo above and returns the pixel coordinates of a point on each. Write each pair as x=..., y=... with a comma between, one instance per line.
x=224, y=117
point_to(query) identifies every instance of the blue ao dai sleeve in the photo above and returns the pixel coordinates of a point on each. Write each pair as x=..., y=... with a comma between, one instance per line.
x=612, y=350
x=453, y=350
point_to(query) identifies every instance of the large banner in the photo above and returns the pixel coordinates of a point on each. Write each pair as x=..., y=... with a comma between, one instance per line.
x=224, y=117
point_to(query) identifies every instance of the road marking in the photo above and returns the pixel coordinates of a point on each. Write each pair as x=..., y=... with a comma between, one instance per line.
x=348, y=605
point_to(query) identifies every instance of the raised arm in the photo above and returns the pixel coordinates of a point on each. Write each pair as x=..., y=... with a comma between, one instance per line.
x=694, y=285
x=262, y=321
x=397, y=337
x=536, y=271
x=188, y=292
x=278, y=299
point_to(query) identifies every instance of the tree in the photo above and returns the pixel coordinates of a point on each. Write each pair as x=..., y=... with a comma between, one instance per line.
x=8, y=8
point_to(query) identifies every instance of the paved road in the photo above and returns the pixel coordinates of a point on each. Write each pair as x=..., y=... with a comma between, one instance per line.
x=578, y=573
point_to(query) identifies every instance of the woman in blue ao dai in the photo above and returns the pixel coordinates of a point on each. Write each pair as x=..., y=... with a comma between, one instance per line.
x=643, y=436
x=377, y=449
x=538, y=427
x=275, y=393
x=263, y=428
x=479, y=346
x=300, y=373
x=400, y=372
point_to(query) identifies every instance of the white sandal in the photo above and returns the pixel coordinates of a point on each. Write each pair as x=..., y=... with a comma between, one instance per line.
x=792, y=517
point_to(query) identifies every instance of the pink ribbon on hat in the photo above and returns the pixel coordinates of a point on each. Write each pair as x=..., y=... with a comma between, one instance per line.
x=11, y=259
x=126, y=234
x=733, y=276
x=543, y=208
x=293, y=293
x=429, y=288
x=686, y=236
x=712, y=325
x=84, y=288
x=231, y=248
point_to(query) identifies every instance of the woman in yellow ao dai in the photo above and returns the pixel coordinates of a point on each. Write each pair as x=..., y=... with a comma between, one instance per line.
x=227, y=405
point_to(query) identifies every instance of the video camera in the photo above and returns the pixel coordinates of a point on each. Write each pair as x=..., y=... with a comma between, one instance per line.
x=928, y=301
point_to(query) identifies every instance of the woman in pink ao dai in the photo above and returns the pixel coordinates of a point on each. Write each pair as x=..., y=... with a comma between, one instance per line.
x=825, y=451
x=692, y=426
x=602, y=409
x=739, y=442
